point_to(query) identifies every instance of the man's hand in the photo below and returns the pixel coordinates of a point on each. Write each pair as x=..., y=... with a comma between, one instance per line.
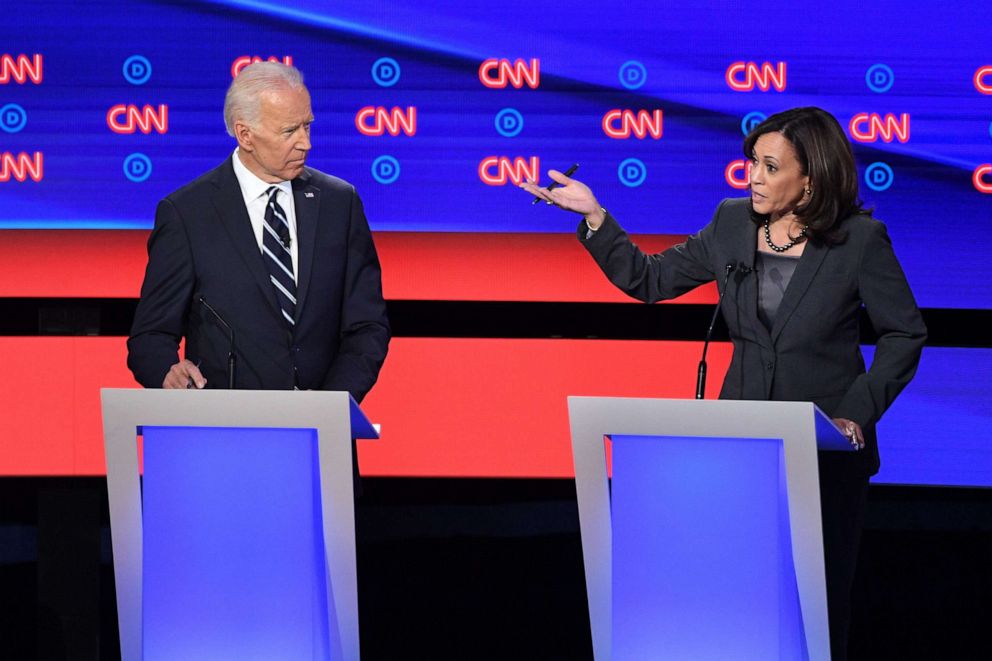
x=184, y=375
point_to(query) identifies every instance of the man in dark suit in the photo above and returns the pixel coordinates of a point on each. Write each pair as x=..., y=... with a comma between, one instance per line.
x=270, y=251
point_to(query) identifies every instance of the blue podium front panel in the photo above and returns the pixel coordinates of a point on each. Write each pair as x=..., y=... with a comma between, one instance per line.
x=233, y=546
x=702, y=553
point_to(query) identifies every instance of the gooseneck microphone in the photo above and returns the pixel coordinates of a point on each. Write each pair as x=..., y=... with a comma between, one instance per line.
x=231, y=358
x=701, y=372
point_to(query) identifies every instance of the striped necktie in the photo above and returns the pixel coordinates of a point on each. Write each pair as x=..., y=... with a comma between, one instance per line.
x=278, y=258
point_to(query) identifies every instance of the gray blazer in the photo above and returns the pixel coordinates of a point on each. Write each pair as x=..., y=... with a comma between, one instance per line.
x=812, y=353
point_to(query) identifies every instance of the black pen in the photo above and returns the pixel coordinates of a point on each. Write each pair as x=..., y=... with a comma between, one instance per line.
x=189, y=381
x=568, y=173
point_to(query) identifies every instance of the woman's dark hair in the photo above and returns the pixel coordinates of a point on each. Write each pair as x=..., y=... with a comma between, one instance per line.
x=825, y=156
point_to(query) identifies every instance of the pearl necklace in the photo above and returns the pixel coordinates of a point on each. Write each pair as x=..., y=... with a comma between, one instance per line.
x=768, y=239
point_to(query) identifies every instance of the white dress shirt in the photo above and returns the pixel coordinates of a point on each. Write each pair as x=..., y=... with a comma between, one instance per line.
x=253, y=189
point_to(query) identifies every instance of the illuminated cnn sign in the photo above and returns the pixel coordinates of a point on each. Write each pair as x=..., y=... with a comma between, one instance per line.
x=983, y=79
x=498, y=73
x=982, y=178
x=738, y=174
x=377, y=120
x=243, y=61
x=130, y=118
x=871, y=127
x=20, y=68
x=497, y=170
x=745, y=76
x=21, y=166
x=621, y=124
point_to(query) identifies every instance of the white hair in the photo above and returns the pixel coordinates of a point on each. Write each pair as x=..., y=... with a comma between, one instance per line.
x=243, y=100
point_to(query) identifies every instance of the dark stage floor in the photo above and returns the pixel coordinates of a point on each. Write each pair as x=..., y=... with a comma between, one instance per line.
x=492, y=569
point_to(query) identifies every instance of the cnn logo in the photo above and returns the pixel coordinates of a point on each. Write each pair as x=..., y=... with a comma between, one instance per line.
x=746, y=76
x=21, y=167
x=738, y=174
x=983, y=80
x=124, y=119
x=375, y=121
x=621, y=124
x=500, y=73
x=243, y=61
x=21, y=69
x=872, y=127
x=498, y=170
x=982, y=178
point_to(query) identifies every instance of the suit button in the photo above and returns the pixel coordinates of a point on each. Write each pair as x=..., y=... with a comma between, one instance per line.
x=296, y=350
x=769, y=366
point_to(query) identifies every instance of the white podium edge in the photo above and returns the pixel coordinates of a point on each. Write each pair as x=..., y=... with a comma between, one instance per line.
x=332, y=414
x=593, y=418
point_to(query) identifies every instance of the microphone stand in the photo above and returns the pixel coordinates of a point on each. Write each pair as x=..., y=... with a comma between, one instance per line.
x=231, y=357
x=701, y=371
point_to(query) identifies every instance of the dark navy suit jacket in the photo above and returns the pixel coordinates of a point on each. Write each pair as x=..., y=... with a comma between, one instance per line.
x=812, y=352
x=203, y=246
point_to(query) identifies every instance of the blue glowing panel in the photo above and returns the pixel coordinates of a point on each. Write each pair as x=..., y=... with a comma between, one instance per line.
x=702, y=554
x=435, y=110
x=233, y=547
x=939, y=431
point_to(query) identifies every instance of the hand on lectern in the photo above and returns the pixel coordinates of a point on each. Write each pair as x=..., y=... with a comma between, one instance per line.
x=184, y=375
x=852, y=431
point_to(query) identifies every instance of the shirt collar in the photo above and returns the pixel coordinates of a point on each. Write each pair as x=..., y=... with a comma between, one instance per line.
x=251, y=186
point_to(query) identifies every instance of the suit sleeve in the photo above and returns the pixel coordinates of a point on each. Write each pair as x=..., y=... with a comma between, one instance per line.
x=652, y=278
x=364, y=333
x=160, y=319
x=898, y=324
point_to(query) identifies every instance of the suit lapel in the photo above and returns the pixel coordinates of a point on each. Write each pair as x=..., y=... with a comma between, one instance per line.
x=806, y=269
x=229, y=205
x=306, y=199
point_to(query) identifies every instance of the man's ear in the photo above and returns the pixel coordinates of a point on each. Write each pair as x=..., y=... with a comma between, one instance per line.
x=243, y=134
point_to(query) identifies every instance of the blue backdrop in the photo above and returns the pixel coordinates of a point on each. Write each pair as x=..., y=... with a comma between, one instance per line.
x=924, y=73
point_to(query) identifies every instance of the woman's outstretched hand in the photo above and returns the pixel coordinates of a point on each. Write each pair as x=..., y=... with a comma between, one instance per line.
x=570, y=195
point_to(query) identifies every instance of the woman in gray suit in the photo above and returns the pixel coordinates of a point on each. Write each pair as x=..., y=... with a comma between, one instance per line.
x=796, y=262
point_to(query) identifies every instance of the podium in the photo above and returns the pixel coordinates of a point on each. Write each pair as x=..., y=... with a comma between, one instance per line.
x=707, y=542
x=240, y=540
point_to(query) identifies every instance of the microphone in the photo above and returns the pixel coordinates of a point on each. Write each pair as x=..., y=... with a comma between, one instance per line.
x=701, y=372
x=231, y=359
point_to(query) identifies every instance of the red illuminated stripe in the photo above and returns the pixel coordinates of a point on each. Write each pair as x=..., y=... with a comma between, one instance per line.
x=448, y=407
x=72, y=263
x=51, y=413
x=416, y=266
